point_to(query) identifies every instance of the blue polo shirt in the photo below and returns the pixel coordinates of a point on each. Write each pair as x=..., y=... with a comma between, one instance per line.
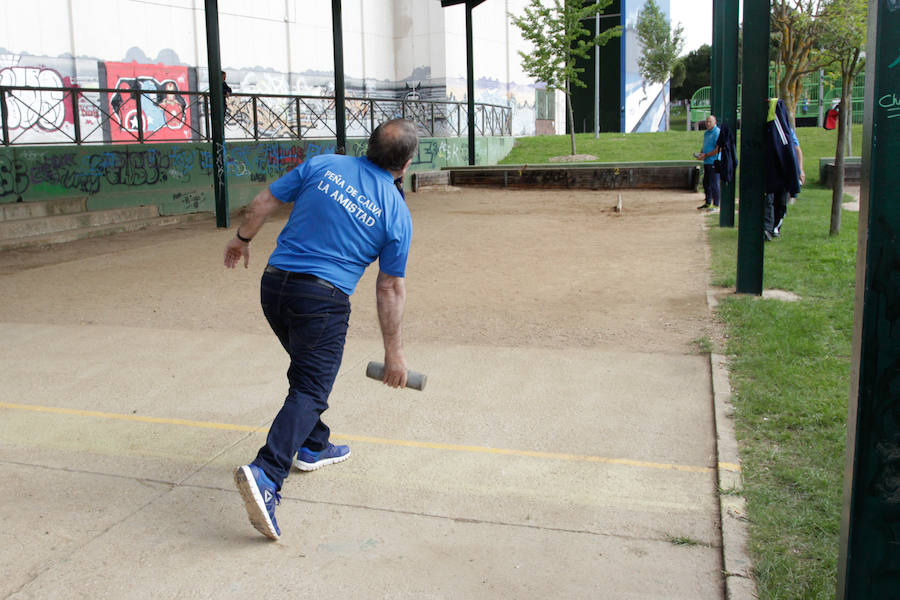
x=347, y=212
x=709, y=144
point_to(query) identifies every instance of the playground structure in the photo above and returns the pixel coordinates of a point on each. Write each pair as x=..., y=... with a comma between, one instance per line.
x=809, y=105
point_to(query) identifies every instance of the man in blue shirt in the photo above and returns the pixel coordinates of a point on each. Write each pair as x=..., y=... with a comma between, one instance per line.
x=347, y=212
x=709, y=154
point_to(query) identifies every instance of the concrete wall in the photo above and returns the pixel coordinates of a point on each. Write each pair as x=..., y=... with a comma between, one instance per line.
x=499, y=78
x=178, y=177
x=392, y=48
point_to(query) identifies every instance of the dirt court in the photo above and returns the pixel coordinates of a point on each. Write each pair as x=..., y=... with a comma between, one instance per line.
x=565, y=438
x=539, y=268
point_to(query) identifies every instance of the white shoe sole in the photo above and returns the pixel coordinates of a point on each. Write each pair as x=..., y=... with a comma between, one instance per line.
x=253, y=501
x=305, y=466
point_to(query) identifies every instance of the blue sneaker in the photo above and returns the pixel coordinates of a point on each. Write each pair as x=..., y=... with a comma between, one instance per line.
x=307, y=460
x=260, y=498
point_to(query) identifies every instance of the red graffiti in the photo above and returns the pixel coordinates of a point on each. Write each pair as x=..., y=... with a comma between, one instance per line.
x=165, y=114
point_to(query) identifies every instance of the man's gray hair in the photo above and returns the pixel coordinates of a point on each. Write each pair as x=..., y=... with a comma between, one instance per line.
x=392, y=144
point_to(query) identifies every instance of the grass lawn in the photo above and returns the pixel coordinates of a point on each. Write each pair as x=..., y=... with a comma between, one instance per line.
x=678, y=118
x=790, y=370
x=789, y=362
x=610, y=147
x=669, y=145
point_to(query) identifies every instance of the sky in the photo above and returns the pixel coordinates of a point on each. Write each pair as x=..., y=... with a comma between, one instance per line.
x=696, y=18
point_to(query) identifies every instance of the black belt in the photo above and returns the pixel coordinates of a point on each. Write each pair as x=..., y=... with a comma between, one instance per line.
x=303, y=276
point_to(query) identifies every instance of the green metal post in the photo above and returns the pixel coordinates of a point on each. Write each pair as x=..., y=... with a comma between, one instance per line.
x=869, y=559
x=4, y=116
x=715, y=92
x=728, y=68
x=470, y=77
x=217, y=112
x=340, y=116
x=470, y=71
x=139, y=113
x=73, y=95
x=753, y=147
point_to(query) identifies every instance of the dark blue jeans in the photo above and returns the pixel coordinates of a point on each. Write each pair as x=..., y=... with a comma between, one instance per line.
x=774, y=210
x=711, y=184
x=310, y=321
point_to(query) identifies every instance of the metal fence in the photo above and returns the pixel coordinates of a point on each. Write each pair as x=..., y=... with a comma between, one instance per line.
x=63, y=115
x=807, y=105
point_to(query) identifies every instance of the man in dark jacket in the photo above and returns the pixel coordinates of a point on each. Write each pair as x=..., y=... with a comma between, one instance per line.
x=226, y=91
x=728, y=152
x=784, y=168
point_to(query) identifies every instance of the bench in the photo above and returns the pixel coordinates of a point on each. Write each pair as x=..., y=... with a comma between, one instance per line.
x=852, y=170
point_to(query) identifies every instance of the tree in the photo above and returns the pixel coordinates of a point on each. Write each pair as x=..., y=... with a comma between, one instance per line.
x=697, y=73
x=796, y=28
x=661, y=46
x=843, y=42
x=679, y=74
x=558, y=36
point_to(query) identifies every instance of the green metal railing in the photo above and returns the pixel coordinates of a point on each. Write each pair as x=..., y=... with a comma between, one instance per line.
x=807, y=104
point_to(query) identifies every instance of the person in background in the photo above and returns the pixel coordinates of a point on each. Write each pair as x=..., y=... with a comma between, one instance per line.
x=784, y=168
x=709, y=154
x=226, y=91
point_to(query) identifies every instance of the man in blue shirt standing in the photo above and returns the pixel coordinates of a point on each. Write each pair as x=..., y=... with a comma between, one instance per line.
x=709, y=154
x=346, y=213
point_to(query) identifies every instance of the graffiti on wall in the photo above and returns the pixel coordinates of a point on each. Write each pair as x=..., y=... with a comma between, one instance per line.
x=520, y=98
x=42, y=108
x=160, y=110
x=46, y=115
x=88, y=172
x=13, y=176
x=274, y=117
x=35, y=173
x=440, y=151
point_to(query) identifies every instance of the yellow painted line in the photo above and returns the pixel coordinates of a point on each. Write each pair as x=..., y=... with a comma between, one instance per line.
x=383, y=441
x=121, y=417
x=730, y=467
x=530, y=453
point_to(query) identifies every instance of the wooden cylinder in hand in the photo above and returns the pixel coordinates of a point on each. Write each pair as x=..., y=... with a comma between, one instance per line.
x=414, y=380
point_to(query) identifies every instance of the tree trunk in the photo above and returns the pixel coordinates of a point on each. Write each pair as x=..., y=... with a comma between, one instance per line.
x=571, y=116
x=850, y=125
x=668, y=104
x=790, y=93
x=837, y=189
x=790, y=102
x=794, y=50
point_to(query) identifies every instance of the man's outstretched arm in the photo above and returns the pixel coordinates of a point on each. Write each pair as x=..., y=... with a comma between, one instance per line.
x=263, y=205
x=390, y=294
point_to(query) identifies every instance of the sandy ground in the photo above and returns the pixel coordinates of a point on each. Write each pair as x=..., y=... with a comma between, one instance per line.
x=564, y=267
